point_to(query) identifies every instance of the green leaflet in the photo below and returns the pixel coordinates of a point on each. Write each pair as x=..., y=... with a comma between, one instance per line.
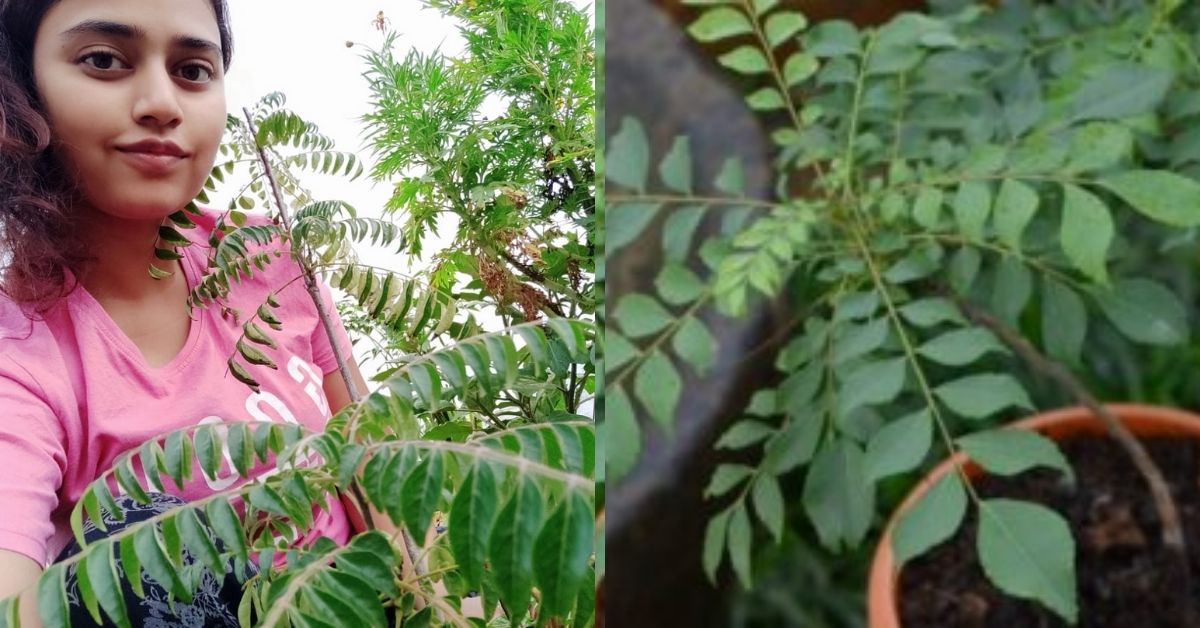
x=471, y=516
x=1120, y=91
x=714, y=543
x=1016, y=204
x=726, y=478
x=87, y=592
x=324, y=607
x=782, y=25
x=899, y=446
x=659, y=387
x=353, y=593
x=1064, y=322
x=561, y=554
x=208, y=450
x=678, y=285
x=980, y=396
x=621, y=434
x=761, y=7
x=1087, y=230
x=132, y=566
x=837, y=496
x=1012, y=451
x=964, y=269
x=1144, y=311
x=798, y=68
x=720, y=23
x=1163, y=196
x=371, y=559
x=918, y=264
x=676, y=167
x=768, y=504
x=927, y=207
x=171, y=236
x=872, y=383
x=197, y=540
x=931, y=311
x=52, y=597
x=129, y=482
x=832, y=38
x=1099, y=145
x=1027, y=550
x=972, y=207
x=739, y=538
x=795, y=444
x=1012, y=289
x=745, y=60
x=857, y=306
x=961, y=347
x=731, y=179
x=511, y=546
x=101, y=570
x=243, y=375
x=225, y=523
x=421, y=493
x=254, y=356
x=854, y=341
x=743, y=434
x=627, y=221
x=154, y=558
x=678, y=231
x=931, y=520
x=696, y=345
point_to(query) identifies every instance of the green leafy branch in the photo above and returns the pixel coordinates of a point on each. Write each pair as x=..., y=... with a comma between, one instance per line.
x=894, y=121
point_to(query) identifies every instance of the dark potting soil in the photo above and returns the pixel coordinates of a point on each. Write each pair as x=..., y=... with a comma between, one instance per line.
x=1125, y=579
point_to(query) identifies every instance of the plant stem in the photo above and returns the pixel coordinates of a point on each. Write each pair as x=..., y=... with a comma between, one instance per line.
x=310, y=280
x=1164, y=504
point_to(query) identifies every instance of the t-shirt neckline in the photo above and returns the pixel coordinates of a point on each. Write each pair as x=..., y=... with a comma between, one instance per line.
x=88, y=304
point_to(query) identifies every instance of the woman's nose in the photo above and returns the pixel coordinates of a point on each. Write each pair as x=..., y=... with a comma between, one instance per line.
x=157, y=100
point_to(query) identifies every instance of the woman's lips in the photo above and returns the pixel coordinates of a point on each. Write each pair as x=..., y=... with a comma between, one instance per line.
x=151, y=164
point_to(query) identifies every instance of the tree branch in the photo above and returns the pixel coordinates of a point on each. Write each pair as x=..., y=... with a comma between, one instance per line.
x=540, y=278
x=310, y=280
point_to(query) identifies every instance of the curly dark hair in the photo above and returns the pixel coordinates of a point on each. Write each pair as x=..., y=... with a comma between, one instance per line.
x=39, y=240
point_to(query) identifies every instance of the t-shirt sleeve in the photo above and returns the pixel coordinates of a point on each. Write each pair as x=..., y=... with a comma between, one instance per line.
x=322, y=349
x=31, y=446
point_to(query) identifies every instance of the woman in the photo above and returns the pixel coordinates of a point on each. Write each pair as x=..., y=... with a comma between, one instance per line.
x=111, y=114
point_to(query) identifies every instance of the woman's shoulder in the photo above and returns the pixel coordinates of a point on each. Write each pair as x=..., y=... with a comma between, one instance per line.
x=28, y=344
x=21, y=325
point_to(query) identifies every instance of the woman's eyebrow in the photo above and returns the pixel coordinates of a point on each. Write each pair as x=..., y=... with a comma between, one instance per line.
x=126, y=31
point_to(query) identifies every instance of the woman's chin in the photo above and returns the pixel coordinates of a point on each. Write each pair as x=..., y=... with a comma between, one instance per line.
x=141, y=209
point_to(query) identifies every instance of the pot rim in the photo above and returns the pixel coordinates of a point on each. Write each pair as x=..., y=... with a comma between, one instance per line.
x=1142, y=420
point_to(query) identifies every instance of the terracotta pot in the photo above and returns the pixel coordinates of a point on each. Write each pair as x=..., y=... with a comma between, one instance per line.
x=1142, y=420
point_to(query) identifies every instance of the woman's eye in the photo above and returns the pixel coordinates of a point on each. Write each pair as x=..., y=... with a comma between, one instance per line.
x=102, y=61
x=196, y=73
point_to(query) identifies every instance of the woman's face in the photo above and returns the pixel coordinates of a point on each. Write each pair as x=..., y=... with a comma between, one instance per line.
x=122, y=81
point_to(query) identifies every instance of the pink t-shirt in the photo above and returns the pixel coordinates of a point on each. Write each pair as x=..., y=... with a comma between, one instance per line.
x=75, y=392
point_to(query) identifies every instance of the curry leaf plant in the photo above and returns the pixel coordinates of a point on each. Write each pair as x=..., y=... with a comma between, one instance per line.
x=509, y=153
x=493, y=150
x=1004, y=159
x=511, y=507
